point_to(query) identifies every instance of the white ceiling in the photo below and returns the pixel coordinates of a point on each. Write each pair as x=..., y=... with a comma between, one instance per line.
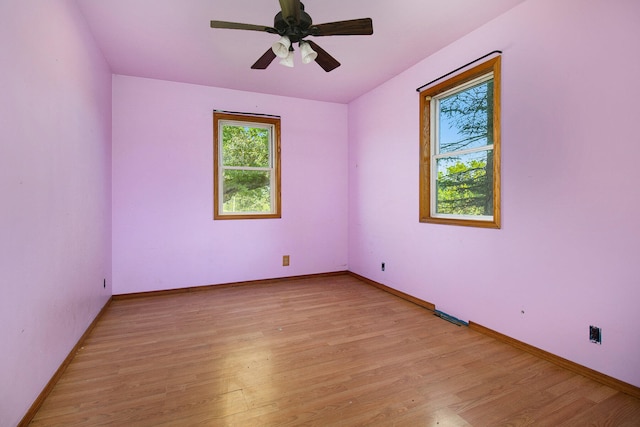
x=172, y=40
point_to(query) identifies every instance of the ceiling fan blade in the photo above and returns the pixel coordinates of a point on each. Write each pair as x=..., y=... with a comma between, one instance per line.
x=264, y=60
x=353, y=27
x=290, y=10
x=239, y=26
x=326, y=61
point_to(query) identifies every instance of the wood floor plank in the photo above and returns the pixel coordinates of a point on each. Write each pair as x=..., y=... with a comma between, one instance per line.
x=326, y=351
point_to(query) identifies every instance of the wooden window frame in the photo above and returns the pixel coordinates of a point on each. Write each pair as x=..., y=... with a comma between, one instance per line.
x=426, y=149
x=274, y=122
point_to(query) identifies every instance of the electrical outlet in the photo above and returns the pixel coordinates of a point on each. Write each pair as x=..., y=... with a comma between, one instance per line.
x=595, y=335
x=285, y=260
x=104, y=283
x=382, y=266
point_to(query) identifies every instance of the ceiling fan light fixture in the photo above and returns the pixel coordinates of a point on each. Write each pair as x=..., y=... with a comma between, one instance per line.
x=293, y=24
x=281, y=47
x=307, y=52
x=288, y=60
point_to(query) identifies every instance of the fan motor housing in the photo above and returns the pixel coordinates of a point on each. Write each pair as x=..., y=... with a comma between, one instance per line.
x=295, y=32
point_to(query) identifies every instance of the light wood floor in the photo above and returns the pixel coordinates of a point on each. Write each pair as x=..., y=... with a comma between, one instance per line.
x=327, y=351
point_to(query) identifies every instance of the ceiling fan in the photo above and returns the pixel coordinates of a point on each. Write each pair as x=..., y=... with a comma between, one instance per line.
x=293, y=25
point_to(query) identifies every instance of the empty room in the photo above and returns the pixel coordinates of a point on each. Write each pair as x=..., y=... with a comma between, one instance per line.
x=261, y=212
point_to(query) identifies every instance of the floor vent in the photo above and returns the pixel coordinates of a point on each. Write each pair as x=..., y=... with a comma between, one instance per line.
x=449, y=318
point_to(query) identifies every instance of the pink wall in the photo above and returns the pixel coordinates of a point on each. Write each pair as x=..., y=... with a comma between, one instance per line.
x=164, y=235
x=567, y=253
x=55, y=132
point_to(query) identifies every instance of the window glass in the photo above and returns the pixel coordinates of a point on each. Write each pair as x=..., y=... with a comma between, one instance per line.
x=246, y=191
x=245, y=146
x=463, y=185
x=465, y=119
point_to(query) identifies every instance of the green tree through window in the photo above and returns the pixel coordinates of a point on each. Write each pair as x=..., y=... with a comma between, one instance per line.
x=464, y=182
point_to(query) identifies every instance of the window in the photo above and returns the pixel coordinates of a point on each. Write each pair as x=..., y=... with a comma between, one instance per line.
x=246, y=166
x=460, y=149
